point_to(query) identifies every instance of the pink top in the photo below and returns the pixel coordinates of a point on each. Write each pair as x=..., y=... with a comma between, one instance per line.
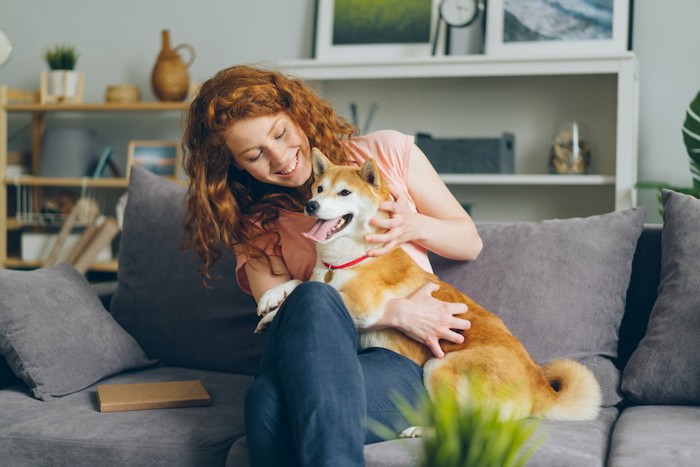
x=392, y=151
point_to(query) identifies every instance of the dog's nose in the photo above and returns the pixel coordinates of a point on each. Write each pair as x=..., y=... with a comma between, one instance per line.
x=311, y=207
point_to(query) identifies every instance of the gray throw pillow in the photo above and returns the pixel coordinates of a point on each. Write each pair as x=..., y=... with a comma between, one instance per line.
x=160, y=299
x=559, y=285
x=56, y=335
x=665, y=367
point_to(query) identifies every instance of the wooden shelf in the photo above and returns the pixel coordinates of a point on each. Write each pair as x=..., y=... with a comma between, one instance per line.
x=28, y=180
x=16, y=263
x=14, y=102
x=99, y=107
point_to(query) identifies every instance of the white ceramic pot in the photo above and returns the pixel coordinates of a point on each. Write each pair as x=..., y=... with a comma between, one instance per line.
x=70, y=84
x=64, y=84
x=56, y=83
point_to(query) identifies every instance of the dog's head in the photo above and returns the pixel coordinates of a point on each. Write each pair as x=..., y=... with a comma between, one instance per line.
x=344, y=199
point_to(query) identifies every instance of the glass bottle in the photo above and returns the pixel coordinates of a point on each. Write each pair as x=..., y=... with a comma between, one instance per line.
x=570, y=152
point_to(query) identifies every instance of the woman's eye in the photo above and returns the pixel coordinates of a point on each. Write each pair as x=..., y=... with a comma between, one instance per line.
x=281, y=134
x=319, y=189
x=255, y=157
x=345, y=192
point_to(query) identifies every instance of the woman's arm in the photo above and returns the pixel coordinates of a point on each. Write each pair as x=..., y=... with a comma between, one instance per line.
x=260, y=276
x=441, y=224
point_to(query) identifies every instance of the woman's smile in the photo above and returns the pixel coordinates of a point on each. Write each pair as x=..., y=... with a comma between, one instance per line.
x=291, y=167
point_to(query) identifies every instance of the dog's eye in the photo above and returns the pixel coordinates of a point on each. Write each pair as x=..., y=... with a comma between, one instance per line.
x=344, y=192
x=319, y=189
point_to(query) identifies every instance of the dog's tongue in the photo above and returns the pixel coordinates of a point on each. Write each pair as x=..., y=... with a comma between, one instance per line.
x=320, y=229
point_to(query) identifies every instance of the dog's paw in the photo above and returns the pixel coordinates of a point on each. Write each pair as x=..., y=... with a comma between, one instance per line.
x=273, y=298
x=265, y=322
x=414, y=432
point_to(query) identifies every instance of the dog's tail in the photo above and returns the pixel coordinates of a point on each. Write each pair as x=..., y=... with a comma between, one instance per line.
x=578, y=394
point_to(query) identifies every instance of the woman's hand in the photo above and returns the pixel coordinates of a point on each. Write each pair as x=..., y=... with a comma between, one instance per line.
x=426, y=319
x=401, y=226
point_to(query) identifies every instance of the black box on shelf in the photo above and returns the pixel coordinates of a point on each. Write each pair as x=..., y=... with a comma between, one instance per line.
x=469, y=155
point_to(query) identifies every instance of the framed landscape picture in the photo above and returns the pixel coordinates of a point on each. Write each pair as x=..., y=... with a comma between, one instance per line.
x=374, y=29
x=557, y=27
x=159, y=157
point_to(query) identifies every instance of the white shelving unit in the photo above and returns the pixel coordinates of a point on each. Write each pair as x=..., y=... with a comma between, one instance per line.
x=476, y=96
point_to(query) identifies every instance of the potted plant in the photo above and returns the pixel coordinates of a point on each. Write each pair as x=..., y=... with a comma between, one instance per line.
x=691, y=139
x=61, y=59
x=467, y=434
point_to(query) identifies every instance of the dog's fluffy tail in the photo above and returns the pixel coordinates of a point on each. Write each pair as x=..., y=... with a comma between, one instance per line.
x=578, y=394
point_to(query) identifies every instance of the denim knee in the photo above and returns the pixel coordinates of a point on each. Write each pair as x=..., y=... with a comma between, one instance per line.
x=317, y=300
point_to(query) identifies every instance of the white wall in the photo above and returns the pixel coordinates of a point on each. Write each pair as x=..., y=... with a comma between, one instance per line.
x=666, y=43
x=119, y=42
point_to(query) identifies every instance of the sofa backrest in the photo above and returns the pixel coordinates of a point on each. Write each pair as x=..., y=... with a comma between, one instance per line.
x=641, y=296
x=642, y=292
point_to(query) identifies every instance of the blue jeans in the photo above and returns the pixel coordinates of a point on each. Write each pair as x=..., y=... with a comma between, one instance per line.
x=309, y=404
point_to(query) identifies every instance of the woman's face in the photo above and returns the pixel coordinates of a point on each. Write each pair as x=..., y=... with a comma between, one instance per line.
x=272, y=149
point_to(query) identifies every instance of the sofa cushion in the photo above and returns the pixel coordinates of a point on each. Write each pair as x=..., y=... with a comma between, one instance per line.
x=665, y=367
x=559, y=285
x=160, y=298
x=72, y=432
x=56, y=335
x=656, y=435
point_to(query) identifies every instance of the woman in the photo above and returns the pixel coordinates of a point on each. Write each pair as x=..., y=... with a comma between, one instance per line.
x=249, y=137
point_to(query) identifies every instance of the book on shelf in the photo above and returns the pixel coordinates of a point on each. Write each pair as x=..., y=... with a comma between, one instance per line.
x=91, y=242
x=102, y=163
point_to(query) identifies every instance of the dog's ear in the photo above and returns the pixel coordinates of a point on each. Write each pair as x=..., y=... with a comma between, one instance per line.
x=370, y=174
x=320, y=162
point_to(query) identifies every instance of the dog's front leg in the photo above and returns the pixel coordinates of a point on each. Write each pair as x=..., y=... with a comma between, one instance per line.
x=271, y=300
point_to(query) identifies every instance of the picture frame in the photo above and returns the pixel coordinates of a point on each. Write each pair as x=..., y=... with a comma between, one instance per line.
x=160, y=157
x=533, y=28
x=354, y=30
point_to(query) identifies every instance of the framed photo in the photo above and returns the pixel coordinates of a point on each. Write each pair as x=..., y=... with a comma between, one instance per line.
x=374, y=29
x=160, y=157
x=542, y=28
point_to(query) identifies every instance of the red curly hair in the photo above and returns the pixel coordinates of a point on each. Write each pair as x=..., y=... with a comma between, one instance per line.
x=224, y=203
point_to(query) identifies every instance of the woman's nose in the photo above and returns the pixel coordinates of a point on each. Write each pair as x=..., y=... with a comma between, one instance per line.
x=277, y=154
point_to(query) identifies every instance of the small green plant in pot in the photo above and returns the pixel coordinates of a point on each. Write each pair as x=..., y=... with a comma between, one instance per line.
x=62, y=59
x=467, y=434
x=691, y=138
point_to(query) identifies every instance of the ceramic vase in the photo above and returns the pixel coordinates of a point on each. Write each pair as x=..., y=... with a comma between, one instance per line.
x=170, y=78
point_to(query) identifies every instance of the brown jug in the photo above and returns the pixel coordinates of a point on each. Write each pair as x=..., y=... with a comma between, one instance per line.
x=169, y=79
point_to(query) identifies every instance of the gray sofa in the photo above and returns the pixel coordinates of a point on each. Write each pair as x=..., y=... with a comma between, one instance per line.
x=580, y=288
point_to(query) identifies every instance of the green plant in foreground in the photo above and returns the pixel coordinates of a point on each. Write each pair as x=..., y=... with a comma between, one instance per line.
x=467, y=435
x=61, y=57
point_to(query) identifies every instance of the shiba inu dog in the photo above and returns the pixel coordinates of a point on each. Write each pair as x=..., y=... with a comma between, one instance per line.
x=344, y=200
